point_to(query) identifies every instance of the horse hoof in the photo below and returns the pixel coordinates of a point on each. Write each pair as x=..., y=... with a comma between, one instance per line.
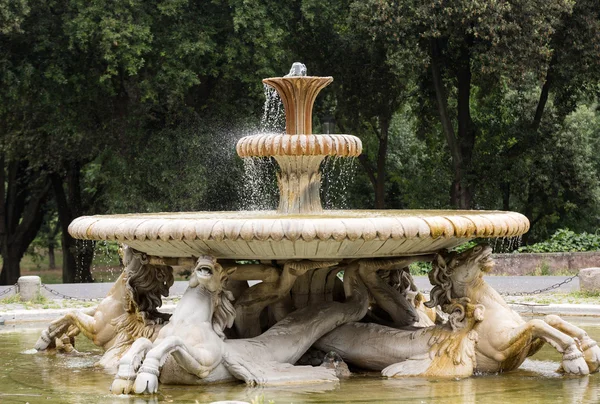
x=121, y=386
x=574, y=364
x=145, y=383
x=592, y=357
x=43, y=342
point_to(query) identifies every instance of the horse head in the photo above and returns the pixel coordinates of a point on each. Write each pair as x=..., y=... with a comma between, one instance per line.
x=211, y=276
x=450, y=269
x=208, y=274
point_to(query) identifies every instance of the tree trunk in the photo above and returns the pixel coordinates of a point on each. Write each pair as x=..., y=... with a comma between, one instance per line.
x=11, y=270
x=381, y=159
x=466, y=132
x=51, y=257
x=77, y=257
x=448, y=129
x=533, y=137
x=541, y=106
x=22, y=198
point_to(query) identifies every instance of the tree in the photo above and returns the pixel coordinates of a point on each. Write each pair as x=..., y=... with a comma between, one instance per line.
x=21, y=213
x=93, y=79
x=463, y=44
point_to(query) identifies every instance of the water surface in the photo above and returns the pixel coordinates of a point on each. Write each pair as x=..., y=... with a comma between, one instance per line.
x=26, y=376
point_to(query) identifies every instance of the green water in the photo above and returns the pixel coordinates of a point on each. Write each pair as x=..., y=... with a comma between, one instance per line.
x=29, y=377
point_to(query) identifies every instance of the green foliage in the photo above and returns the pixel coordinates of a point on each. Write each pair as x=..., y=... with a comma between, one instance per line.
x=16, y=299
x=143, y=101
x=419, y=268
x=11, y=299
x=12, y=14
x=261, y=400
x=565, y=240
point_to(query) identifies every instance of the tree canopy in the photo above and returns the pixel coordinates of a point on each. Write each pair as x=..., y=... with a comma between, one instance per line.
x=111, y=107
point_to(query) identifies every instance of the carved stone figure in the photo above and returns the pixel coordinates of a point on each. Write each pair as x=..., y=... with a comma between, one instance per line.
x=505, y=339
x=254, y=300
x=129, y=311
x=440, y=350
x=192, y=348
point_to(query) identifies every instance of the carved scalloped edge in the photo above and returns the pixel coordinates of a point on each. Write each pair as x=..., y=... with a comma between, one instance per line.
x=467, y=225
x=299, y=145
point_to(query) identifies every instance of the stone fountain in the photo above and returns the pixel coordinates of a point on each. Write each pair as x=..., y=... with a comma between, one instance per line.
x=258, y=333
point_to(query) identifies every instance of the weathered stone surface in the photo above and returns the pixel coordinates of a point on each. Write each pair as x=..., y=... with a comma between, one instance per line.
x=268, y=235
x=589, y=279
x=29, y=287
x=544, y=263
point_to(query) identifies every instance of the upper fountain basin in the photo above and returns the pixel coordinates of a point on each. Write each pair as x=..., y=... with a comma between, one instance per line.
x=266, y=235
x=280, y=144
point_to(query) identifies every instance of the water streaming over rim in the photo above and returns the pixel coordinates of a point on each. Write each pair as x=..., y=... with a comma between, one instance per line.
x=273, y=118
x=259, y=189
x=338, y=175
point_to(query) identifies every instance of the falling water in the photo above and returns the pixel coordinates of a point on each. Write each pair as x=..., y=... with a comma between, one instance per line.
x=105, y=264
x=505, y=245
x=337, y=174
x=273, y=119
x=259, y=189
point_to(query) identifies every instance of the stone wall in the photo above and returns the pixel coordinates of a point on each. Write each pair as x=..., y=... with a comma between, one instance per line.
x=544, y=264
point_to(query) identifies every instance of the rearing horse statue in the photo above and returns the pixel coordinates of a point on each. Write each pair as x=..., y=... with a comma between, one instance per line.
x=192, y=349
x=505, y=339
x=128, y=311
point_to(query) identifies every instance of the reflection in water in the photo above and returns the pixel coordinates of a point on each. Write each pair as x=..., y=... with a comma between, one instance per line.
x=52, y=378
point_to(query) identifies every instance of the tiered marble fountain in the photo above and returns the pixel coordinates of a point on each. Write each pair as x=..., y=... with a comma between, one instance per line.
x=223, y=329
x=300, y=228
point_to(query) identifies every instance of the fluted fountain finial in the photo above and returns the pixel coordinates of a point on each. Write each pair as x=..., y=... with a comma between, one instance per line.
x=298, y=93
x=298, y=152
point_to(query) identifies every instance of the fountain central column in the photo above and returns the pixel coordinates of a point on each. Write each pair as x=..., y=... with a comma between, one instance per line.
x=298, y=152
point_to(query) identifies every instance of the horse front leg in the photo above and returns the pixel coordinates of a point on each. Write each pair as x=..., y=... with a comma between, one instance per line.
x=196, y=361
x=129, y=365
x=591, y=351
x=62, y=325
x=522, y=337
x=400, y=310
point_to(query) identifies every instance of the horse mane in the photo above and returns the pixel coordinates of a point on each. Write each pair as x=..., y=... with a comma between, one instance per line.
x=453, y=345
x=131, y=326
x=439, y=276
x=145, y=284
x=224, y=313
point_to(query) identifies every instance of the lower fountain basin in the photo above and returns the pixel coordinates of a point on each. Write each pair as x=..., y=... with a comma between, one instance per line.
x=70, y=378
x=334, y=234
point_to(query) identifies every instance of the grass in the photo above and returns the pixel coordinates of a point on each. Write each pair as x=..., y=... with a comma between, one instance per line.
x=38, y=302
x=16, y=299
x=13, y=302
x=11, y=299
x=576, y=297
x=105, y=266
x=261, y=400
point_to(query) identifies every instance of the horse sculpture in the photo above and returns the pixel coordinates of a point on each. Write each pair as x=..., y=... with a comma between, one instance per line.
x=505, y=339
x=128, y=311
x=192, y=349
x=446, y=350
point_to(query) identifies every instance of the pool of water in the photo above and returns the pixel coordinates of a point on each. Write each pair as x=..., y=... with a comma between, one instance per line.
x=30, y=377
